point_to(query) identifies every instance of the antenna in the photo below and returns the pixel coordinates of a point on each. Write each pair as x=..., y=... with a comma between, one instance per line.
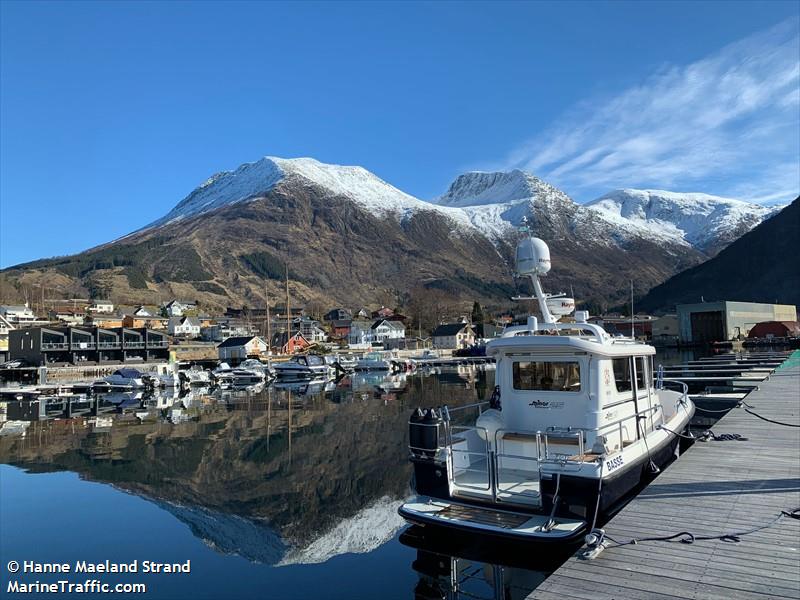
x=633, y=335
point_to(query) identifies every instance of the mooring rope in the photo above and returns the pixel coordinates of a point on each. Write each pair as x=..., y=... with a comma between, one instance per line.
x=687, y=537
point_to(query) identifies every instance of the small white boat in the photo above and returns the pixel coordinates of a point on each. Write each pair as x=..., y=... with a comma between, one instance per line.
x=304, y=366
x=125, y=378
x=374, y=361
x=195, y=376
x=345, y=362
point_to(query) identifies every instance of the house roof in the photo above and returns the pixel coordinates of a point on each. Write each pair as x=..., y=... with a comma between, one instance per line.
x=341, y=323
x=239, y=340
x=279, y=338
x=449, y=329
x=390, y=324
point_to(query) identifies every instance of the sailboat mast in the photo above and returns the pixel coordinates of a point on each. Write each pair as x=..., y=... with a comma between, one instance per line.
x=267, y=328
x=288, y=312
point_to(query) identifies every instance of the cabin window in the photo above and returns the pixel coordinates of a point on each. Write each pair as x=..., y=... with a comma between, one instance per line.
x=547, y=376
x=622, y=374
x=641, y=373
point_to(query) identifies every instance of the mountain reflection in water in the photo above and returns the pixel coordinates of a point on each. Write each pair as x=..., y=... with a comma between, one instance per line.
x=285, y=474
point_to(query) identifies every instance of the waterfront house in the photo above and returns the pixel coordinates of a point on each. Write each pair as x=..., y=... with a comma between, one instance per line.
x=237, y=349
x=87, y=344
x=362, y=313
x=188, y=327
x=453, y=336
x=388, y=332
x=360, y=336
x=296, y=343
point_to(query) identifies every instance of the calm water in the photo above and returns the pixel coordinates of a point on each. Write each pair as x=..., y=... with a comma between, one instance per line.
x=278, y=493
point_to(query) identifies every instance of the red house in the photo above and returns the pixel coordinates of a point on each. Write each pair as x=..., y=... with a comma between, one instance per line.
x=297, y=343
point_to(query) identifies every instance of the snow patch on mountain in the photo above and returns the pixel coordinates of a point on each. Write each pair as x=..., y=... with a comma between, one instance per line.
x=481, y=188
x=365, y=531
x=695, y=219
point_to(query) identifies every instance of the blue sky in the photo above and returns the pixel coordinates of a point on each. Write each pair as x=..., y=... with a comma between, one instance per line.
x=111, y=113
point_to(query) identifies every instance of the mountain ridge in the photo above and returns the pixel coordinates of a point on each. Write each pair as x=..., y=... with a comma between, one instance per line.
x=351, y=237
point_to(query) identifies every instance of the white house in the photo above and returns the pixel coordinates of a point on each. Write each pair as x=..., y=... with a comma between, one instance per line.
x=241, y=348
x=101, y=306
x=143, y=311
x=384, y=330
x=184, y=327
x=360, y=336
x=177, y=308
x=453, y=335
x=311, y=330
x=19, y=316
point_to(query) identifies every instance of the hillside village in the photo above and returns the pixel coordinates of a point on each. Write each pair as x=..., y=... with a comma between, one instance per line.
x=98, y=331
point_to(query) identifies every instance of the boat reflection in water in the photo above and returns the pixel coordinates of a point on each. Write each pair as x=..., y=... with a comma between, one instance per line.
x=460, y=566
x=287, y=476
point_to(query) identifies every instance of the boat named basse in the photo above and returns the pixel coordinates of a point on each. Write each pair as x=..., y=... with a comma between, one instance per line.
x=575, y=423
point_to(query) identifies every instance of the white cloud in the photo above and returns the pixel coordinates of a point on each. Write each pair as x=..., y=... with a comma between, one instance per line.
x=728, y=124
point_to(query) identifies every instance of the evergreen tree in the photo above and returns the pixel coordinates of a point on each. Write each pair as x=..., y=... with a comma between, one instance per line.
x=477, y=313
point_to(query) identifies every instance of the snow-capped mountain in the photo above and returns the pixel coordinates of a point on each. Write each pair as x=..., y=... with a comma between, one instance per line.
x=492, y=204
x=253, y=180
x=478, y=188
x=703, y=221
x=351, y=237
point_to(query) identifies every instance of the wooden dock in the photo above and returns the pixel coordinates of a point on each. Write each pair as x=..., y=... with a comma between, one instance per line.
x=717, y=487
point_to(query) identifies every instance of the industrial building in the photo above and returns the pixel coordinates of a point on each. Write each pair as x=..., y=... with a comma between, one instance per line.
x=727, y=320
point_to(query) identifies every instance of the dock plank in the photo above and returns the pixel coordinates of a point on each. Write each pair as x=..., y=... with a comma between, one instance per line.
x=717, y=487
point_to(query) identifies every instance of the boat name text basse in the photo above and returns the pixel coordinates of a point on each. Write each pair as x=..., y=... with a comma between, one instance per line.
x=106, y=566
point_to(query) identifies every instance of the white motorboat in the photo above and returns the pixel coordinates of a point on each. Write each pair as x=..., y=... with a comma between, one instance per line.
x=195, y=376
x=225, y=375
x=374, y=361
x=341, y=362
x=125, y=378
x=575, y=423
x=303, y=366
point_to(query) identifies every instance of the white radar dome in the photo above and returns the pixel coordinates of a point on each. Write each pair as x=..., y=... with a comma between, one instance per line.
x=560, y=306
x=533, y=257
